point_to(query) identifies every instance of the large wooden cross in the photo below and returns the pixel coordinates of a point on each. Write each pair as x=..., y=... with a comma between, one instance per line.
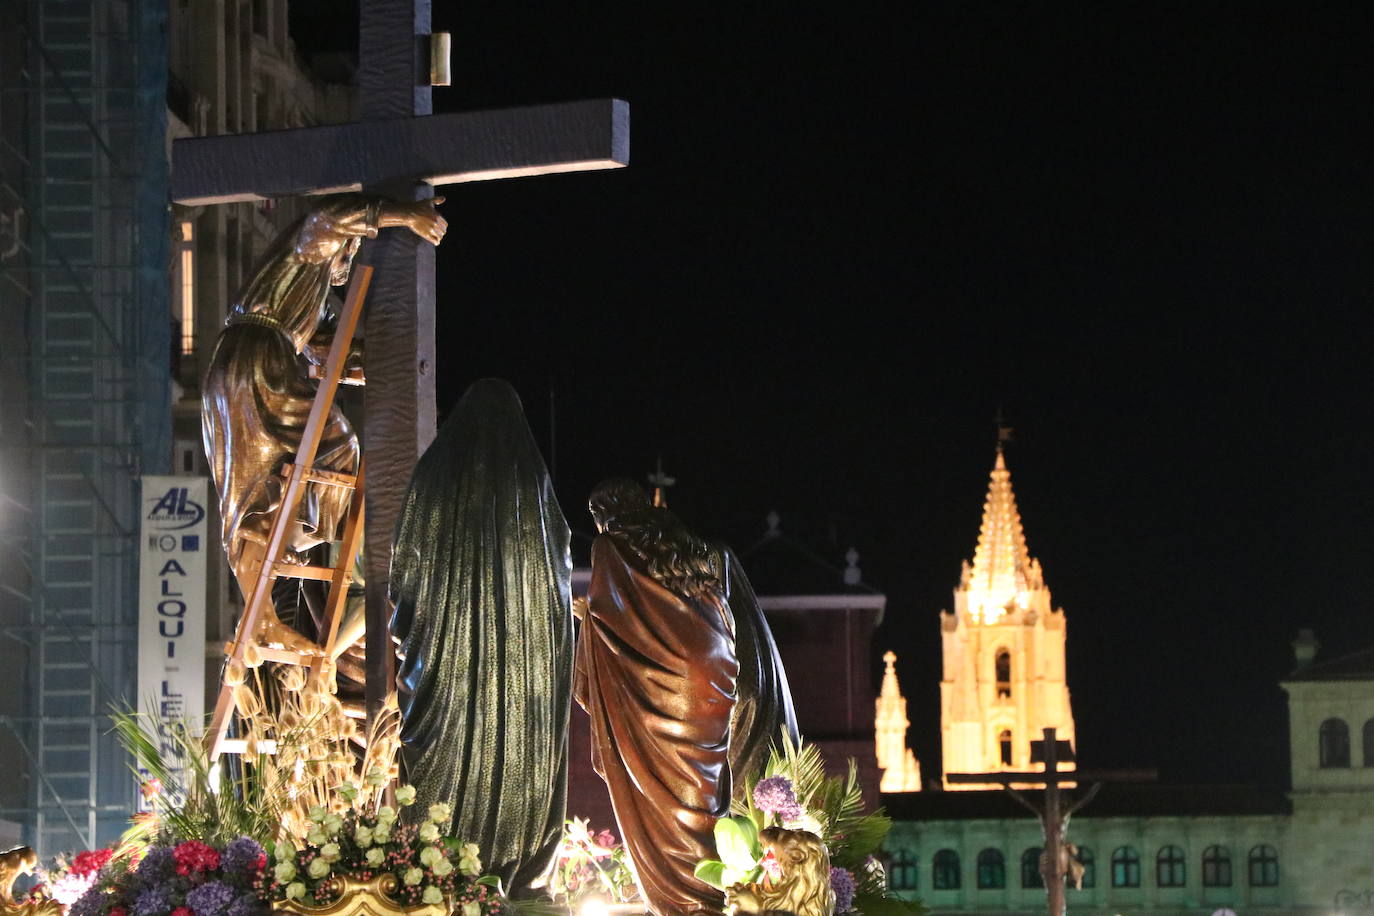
x=401, y=149
x=1052, y=813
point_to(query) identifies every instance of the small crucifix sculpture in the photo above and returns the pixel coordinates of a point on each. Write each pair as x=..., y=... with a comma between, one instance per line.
x=401, y=150
x=1056, y=861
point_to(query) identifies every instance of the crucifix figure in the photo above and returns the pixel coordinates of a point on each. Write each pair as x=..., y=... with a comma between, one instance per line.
x=401, y=151
x=1058, y=860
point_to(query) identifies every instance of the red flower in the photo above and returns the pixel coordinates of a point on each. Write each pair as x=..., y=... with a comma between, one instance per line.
x=262, y=861
x=88, y=863
x=193, y=855
x=119, y=911
x=182, y=911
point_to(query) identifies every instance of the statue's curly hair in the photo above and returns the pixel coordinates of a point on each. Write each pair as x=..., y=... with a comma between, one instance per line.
x=676, y=558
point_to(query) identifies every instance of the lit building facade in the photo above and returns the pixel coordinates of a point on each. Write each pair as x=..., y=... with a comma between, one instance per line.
x=901, y=770
x=1003, y=676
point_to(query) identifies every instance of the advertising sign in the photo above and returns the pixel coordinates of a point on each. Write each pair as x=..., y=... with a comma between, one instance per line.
x=171, y=595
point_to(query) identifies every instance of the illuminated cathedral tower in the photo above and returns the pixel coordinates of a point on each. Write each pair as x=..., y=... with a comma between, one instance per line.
x=1003, y=679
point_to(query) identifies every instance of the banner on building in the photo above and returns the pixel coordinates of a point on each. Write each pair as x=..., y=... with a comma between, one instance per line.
x=171, y=596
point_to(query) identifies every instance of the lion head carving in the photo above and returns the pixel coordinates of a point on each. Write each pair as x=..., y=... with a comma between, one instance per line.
x=803, y=888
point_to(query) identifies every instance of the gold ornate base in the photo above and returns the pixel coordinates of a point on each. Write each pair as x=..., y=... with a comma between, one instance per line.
x=363, y=898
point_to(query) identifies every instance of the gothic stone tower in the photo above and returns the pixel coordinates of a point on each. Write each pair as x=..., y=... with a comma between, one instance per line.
x=1003, y=678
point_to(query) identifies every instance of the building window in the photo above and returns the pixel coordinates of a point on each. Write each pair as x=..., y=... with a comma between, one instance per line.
x=1003, y=666
x=992, y=869
x=904, y=871
x=1171, y=868
x=185, y=290
x=1089, y=863
x=1367, y=740
x=1030, y=868
x=1334, y=741
x=1004, y=746
x=1216, y=867
x=1264, y=866
x=1125, y=867
x=945, y=874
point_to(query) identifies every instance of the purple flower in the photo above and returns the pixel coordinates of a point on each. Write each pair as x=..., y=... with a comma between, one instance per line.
x=249, y=904
x=774, y=795
x=210, y=899
x=91, y=903
x=152, y=902
x=241, y=855
x=157, y=864
x=842, y=883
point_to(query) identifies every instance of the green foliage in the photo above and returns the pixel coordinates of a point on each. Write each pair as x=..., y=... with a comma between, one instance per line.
x=737, y=844
x=197, y=801
x=876, y=904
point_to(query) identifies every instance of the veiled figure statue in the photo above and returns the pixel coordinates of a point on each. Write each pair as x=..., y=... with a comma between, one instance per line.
x=256, y=393
x=481, y=578
x=763, y=705
x=656, y=672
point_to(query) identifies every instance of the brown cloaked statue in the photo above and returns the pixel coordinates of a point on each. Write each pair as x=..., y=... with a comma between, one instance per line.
x=256, y=394
x=655, y=671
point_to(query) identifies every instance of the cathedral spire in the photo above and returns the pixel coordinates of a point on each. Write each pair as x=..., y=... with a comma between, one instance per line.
x=1002, y=567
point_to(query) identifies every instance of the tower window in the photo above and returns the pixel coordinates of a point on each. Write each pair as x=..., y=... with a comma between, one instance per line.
x=1004, y=745
x=1264, y=866
x=1333, y=739
x=1125, y=867
x=992, y=869
x=1367, y=740
x=1003, y=666
x=1030, y=868
x=945, y=871
x=1216, y=867
x=1171, y=868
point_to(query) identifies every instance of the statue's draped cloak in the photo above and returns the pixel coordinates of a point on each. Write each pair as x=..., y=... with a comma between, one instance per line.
x=481, y=576
x=256, y=396
x=656, y=673
x=763, y=708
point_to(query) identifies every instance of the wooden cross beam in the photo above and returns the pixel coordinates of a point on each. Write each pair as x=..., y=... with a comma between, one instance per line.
x=1053, y=816
x=402, y=150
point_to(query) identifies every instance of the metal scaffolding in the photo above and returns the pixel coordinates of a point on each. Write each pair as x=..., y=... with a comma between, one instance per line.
x=87, y=160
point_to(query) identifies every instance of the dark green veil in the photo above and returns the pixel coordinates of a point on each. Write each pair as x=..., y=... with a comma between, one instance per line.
x=480, y=578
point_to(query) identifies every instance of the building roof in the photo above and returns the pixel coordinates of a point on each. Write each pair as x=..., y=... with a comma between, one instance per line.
x=1357, y=666
x=1119, y=800
x=780, y=564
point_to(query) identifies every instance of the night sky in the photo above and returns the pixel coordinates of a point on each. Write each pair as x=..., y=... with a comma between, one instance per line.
x=846, y=240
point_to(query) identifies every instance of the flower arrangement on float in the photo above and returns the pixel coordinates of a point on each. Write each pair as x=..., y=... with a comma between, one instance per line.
x=216, y=842
x=590, y=866
x=798, y=839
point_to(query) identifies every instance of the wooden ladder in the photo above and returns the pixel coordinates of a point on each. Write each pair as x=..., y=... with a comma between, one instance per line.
x=295, y=475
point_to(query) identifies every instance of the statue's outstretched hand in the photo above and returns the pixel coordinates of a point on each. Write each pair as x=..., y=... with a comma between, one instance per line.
x=419, y=217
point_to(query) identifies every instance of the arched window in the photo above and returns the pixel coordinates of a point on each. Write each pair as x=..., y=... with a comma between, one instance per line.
x=1003, y=666
x=903, y=872
x=1264, y=866
x=992, y=869
x=1089, y=863
x=1125, y=867
x=1030, y=868
x=945, y=874
x=1216, y=867
x=1171, y=868
x=1004, y=745
x=1333, y=738
x=1367, y=740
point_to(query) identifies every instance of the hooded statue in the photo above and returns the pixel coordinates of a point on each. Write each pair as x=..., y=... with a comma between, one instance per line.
x=481, y=577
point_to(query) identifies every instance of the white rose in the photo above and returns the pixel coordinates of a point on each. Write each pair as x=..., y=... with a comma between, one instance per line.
x=330, y=852
x=431, y=894
x=363, y=836
x=429, y=832
x=374, y=856
x=414, y=876
x=440, y=812
x=295, y=891
x=284, y=851
x=317, y=869
x=382, y=834
x=284, y=871
x=442, y=869
x=405, y=795
x=472, y=908
x=332, y=823
x=429, y=855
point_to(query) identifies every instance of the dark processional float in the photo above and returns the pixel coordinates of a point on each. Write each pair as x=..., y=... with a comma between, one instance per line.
x=431, y=777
